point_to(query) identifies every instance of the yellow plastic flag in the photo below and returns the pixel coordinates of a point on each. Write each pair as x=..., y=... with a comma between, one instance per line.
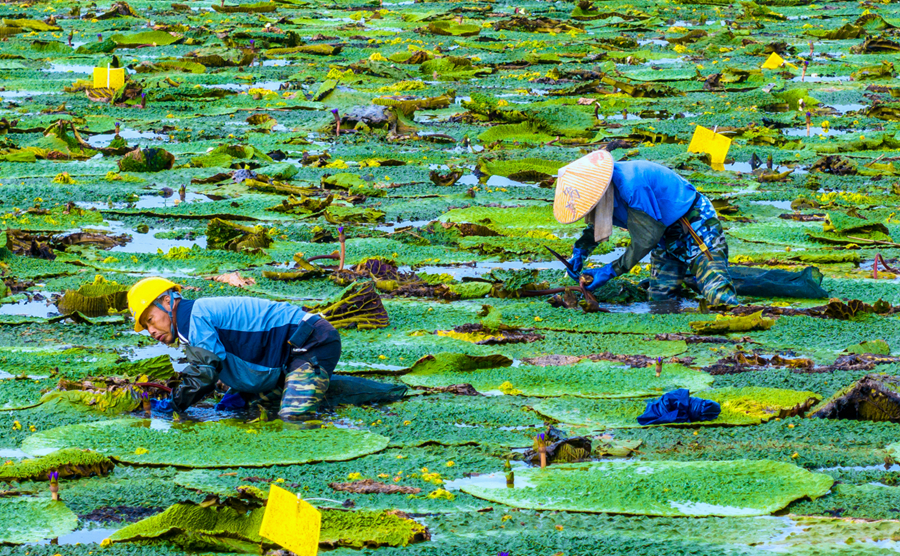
x=708, y=141
x=774, y=61
x=110, y=78
x=291, y=522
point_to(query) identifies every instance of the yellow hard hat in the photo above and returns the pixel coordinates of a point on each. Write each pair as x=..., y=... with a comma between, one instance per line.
x=144, y=293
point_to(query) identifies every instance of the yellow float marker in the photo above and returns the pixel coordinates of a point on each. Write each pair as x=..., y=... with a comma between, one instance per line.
x=708, y=141
x=110, y=78
x=291, y=522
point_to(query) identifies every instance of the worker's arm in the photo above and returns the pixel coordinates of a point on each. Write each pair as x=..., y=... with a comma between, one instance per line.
x=645, y=232
x=586, y=242
x=198, y=380
x=205, y=354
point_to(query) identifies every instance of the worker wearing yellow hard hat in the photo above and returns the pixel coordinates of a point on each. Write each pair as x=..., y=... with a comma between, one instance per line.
x=258, y=348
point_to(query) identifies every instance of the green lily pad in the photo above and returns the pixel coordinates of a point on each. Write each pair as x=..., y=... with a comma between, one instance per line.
x=586, y=379
x=211, y=444
x=661, y=488
x=27, y=520
x=740, y=406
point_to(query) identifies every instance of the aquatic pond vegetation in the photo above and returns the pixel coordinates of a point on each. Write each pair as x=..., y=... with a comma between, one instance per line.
x=201, y=444
x=874, y=397
x=28, y=520
x=97, y=298
x=586, y=379
x=740, y=406
x=69, y=463
x=223, y=527
x=357, y=306
x=811, y=443
x=664, y=488
x=452, y=420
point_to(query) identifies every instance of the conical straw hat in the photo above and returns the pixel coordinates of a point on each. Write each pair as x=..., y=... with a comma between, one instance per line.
x=580, y=185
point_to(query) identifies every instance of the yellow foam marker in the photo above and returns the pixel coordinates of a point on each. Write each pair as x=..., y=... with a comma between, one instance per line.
x=708, y=141
x=291, y=522
x=774, y=61
x=110, y=78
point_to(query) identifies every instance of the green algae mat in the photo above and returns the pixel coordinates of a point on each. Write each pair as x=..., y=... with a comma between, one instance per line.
x=663, y=488
x=214, y=444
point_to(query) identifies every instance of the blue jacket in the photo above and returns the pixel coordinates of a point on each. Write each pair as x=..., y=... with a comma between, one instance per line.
x=242, y=341
x=652, y=188
x=648, y=198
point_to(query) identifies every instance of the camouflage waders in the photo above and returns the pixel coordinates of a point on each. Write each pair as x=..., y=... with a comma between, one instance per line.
x=304, y=389
x=308, y=372
x=678, y=255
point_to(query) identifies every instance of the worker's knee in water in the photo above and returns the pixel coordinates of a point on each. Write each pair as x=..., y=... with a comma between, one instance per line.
x=304, y=390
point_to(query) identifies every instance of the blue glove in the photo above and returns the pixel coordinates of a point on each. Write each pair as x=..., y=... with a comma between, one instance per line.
x=577, y=262
x=164, y=405
x=600, y=275
x=231, y=400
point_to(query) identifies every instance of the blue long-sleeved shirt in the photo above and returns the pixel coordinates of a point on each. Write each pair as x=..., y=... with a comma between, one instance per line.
x=242, y=341
x=648, y=198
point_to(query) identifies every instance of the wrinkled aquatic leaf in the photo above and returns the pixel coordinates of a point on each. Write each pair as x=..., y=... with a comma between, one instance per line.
x=202, y=444
x=661, y=488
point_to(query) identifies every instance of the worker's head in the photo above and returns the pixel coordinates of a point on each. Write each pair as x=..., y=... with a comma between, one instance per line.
x=581, y=185
x=151, y=302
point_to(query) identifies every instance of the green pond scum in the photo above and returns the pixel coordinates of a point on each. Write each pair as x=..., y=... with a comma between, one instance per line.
x=391, y=165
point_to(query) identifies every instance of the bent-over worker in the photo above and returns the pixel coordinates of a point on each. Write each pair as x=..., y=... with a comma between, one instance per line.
x=664, y=215
x=256, y=347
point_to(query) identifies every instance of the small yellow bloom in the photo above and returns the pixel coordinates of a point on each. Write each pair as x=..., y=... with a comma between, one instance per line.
x=354, y=476
x=141, y=451
x=450, y=464
x=795, y=455
x=406, y=423
x=538, y=319
x=382, y=357
x=279, y=480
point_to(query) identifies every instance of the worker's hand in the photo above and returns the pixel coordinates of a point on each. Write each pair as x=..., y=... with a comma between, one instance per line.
x=577, y=262
x=231, y=400
x=163, y=406
x=599, y=276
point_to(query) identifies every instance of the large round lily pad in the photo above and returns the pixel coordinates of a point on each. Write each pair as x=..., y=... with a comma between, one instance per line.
x=661, y=488
x=212, y=444
x=740, y=406
x=25, y=520
x=586, y=379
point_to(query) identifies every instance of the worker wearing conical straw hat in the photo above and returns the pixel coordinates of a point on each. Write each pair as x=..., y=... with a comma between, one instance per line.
x=665, y=215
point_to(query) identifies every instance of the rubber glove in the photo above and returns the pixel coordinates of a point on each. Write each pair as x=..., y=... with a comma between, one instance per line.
x=600, y=276
x=577, y=262
x=163, y=406
x=231, y=400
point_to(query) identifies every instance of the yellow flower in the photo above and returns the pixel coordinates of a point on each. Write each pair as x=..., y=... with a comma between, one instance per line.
x=141, y=451
x=441, y=493
x=407, y=423
x=105, y=542
x=383, y=475
x=538, y=319
x=795, y=455
x=354, y=476
x=507, y=517
x=450, y=464
x=279, y=480
x=382, y=357
x=401, y=456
